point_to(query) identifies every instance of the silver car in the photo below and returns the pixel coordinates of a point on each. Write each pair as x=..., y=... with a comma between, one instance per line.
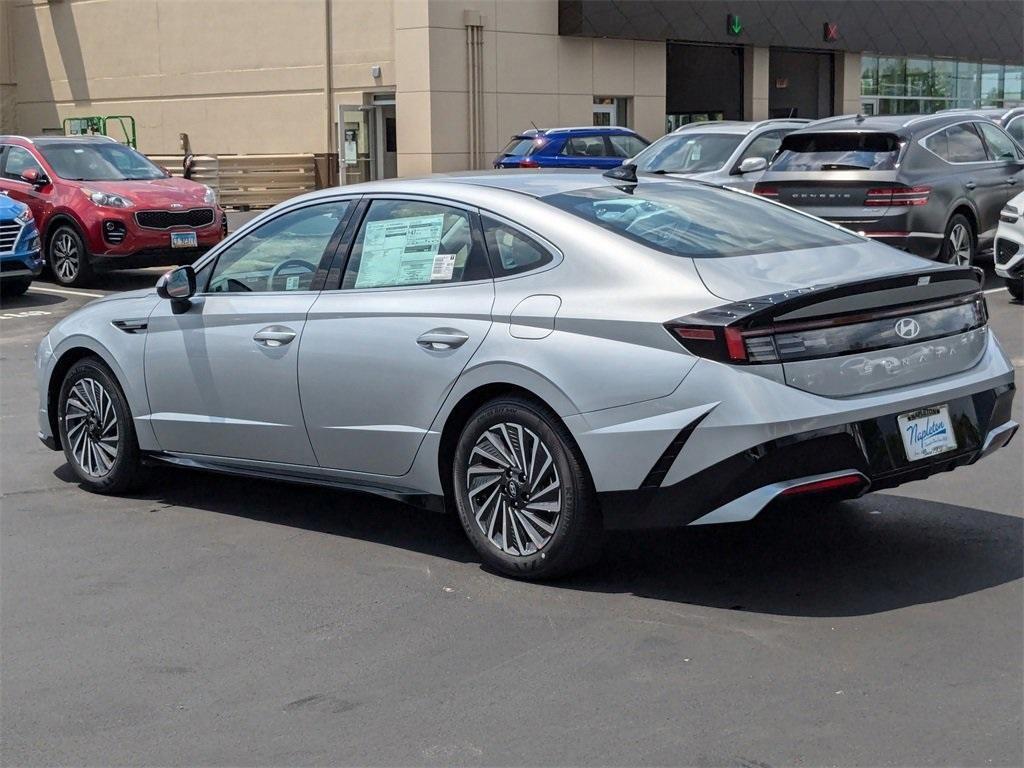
x=548, y=354
x=726, y=152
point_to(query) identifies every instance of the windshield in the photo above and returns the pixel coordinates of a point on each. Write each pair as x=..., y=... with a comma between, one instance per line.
x=107, y=161
x=698, y=220
x=688, y=152
x=838, y=152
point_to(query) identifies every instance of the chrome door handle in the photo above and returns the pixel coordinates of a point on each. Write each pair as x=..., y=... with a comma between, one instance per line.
x=442, y=338
x=274, y=336
x=970, y=184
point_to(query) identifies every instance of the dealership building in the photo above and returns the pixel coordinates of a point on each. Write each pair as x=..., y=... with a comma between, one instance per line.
x=402, y=87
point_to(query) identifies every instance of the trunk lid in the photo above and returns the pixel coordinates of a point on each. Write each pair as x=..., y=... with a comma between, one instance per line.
x=844, y=320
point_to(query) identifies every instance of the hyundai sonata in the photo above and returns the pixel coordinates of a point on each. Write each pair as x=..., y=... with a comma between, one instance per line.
x=547, y=354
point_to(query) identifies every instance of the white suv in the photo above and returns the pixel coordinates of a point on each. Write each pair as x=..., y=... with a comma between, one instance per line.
x=1009, y=246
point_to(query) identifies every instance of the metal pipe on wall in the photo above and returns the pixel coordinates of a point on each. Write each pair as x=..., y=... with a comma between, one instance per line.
x=474, y=23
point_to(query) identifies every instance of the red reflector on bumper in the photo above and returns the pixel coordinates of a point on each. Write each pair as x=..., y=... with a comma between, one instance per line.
x=829, y=484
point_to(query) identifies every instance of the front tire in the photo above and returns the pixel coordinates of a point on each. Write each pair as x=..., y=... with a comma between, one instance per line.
x=96, y=429
x=1016, y=287
x=69, y=258
x=960, y=244
x=523, y=493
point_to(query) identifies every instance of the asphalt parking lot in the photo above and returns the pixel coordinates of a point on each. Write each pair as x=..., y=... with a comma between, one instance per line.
x=221, y=621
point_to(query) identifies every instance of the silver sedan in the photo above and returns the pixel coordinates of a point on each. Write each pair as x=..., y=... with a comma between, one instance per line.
x=549, y=355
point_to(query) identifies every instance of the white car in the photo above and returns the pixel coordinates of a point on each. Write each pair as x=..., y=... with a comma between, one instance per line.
x=1009, y=246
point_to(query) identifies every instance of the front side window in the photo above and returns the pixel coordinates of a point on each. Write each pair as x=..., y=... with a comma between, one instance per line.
x=405, y=243
x=688, y=152
x=98, y=161
x=999, y=144
x=585, y=146
x=838, y=151
x=698, y=221
x=18, y=161
x=765, y=145
x=958, y=144
x=282, y=255
x=511, y=250
x=626, y=145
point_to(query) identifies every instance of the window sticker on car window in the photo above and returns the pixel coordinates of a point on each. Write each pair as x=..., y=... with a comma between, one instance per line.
x=400, y=251
x=292, y=283
x=444, y=266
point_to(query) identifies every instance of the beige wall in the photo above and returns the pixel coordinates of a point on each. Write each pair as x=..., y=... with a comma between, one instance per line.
x=529, y=74
x=236, y=75
x=847, y=89
x=7, y=76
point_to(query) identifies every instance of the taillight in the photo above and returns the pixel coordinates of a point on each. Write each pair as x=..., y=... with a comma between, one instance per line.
x=897, y=196
x=827, y=485
x=527, y=162
x=731, y=334
x=765, y=191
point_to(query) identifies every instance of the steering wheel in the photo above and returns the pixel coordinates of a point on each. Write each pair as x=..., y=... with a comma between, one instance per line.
x=284, y=265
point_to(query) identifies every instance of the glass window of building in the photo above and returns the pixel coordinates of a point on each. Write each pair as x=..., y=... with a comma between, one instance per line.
x=895, y=85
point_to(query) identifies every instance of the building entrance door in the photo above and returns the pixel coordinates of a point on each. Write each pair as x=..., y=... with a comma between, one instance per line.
x=367, y=146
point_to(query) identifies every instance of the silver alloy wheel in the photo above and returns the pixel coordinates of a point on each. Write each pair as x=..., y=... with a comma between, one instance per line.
x=515, y=492
x=960, y=244
x=90, y=422
x=65, y=257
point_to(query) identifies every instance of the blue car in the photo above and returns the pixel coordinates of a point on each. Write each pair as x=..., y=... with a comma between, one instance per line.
x=21, y=258
x=584, y=147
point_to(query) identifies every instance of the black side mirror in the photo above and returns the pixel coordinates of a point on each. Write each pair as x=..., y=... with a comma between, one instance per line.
x=178, y=285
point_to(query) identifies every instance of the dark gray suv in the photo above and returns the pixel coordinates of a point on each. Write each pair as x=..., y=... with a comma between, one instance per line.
x=929, y=184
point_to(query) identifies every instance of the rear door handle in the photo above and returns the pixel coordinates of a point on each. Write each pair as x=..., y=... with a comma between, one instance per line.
x=970, y=184
x=1012, y=180
x=442, y=338
x=274, y=336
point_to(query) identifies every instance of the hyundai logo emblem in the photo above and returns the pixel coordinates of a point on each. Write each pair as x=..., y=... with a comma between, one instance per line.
x=907, y=328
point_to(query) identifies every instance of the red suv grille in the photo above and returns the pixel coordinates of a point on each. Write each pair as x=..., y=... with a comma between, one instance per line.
x=196, y=217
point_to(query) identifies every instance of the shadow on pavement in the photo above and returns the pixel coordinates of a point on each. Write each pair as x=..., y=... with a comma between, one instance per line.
x=876, y=554
x=31, y=301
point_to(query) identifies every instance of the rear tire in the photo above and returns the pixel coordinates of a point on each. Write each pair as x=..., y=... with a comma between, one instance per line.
x=96, y=429
x=959, y=243
x=1016, y=287
x=68, y=258
x=523, y=493
x=14, y=286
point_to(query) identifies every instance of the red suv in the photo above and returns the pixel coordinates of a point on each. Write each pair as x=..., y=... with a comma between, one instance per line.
x=101, y=205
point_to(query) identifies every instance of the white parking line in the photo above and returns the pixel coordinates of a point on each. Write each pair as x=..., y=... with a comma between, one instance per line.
x=66, y=291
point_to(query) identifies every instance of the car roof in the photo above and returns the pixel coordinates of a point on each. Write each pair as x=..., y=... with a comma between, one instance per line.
x=742, y=127
x=901, y=124
x=57, y=139
x=591, y=129
x=529, y=182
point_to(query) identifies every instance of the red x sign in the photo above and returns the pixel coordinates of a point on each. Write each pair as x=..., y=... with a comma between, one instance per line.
x=831, y=32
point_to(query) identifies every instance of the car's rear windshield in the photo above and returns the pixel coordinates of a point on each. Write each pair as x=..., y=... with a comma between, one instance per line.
x=520, y=146
x=698, y=221
x=688, y=152
x=95, y=161
x=836, y=151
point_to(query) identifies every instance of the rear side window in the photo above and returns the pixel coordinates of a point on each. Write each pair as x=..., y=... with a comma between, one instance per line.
x=698, y=221
x=585, y=146
x=626, y=145
x=957, y=144
x=403, y=243
x=838, y=152
x=518, y=147
x=1016, y=129
x=999, y=144
x=511, y=250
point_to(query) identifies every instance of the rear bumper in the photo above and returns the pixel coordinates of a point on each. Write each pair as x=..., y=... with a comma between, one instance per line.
x=740, y=486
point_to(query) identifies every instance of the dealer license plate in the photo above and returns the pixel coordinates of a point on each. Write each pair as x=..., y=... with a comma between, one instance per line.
x=926, y=432
x=184, y=240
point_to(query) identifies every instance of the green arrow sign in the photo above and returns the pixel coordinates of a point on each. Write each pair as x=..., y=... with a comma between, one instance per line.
x=733, y=25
